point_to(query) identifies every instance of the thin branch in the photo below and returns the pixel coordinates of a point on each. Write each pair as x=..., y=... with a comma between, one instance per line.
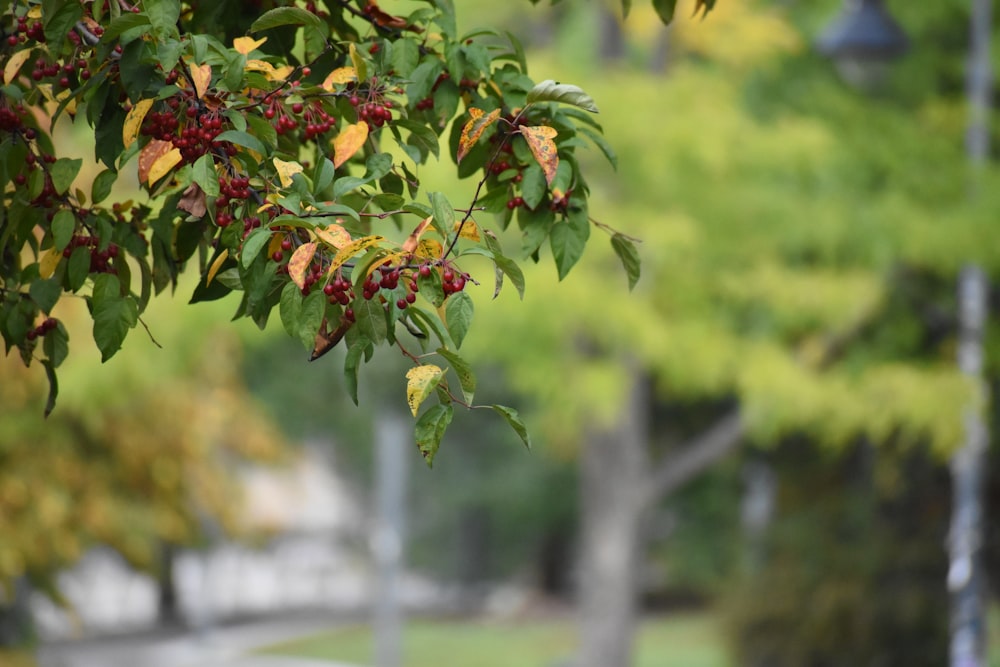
x=149, y=333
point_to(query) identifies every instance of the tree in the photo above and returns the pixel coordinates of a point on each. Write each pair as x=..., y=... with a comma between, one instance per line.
x=279, y=144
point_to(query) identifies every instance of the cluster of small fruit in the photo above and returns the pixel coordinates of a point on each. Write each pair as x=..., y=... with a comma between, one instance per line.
x=375, y=111
x=35, y=32
x=46, y=198
x=45, y=327
x=317, y=120
x=99, y=259
x=193, y=138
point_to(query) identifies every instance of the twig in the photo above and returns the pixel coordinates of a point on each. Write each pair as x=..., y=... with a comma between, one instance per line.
x=149, y=333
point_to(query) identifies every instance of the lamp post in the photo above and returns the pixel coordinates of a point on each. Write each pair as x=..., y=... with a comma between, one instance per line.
x=862, y=42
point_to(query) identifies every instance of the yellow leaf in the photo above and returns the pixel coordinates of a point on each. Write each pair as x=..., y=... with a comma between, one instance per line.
x=470, y=230
x=49, y=262
x=360, y=67
x=270, y=71
x=286, y=170
x=275, y=244
x=216, y=265
x=13, y=65
x=299, y=263
x=162, y=165
x=543, y=148
x=430, y=249
x=245, y=45
x=420, y=382
x=133, y=121
x=353, y=249
x=201, y=75
x=35, y=12
x=474, y=129
x=334, y=235
x=339, y=75
x=348, y=142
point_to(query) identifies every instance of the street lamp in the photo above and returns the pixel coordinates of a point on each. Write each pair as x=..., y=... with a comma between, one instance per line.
x=862, y=42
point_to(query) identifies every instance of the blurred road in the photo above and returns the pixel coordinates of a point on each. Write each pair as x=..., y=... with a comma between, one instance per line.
x=224, y=646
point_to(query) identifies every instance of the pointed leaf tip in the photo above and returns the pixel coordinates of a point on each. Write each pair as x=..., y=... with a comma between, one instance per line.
x=565, y=93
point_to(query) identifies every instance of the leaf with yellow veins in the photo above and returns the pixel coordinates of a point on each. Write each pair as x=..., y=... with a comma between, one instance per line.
x=338, y=76
x=245, y=45
x=14, y=64
x=49, y=262
x=216, y=265
x=201, y=75
x=543, y=148
x=348, y=142
x=286, y=170
x=299, y=263
x=420, y=382
x=353, y=249
x=474, y=129
x=469, y=230
x=429, y=249
x=334, y=235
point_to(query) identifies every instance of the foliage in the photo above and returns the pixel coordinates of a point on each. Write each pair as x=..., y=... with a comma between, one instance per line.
x=280, y=145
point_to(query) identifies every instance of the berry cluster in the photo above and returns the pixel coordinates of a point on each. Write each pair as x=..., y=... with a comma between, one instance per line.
x=45, y=327
x=35, y=32
x=375, y=112
x=192, y=139
x=99, y=259
x=10, y=119
x=339, y=290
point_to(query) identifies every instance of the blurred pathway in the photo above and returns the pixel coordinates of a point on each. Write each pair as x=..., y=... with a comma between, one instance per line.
x=226, y=646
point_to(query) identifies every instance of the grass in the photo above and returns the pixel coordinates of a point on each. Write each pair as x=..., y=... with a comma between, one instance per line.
x=671, y=641
x=12, y=658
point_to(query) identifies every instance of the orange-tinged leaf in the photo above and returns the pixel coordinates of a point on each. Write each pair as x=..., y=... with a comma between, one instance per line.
x=201, y=75
x=339, y=75
x=299, y=263
x=413, y=240
x=286, y=170
x=245, y=45
x=387, y=20
x=348, y=142
x=420, y=382
x=334, y=235
x=543, y=148
x=216, y=265
x=14, y=64
x=352, y=249
x=430, y=249
x=49, y=262
x=474, y=129
x=150, y=155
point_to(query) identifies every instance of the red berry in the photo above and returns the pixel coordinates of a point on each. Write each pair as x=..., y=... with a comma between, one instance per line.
x=328, y=289
x=297, y=107
x=277, y=255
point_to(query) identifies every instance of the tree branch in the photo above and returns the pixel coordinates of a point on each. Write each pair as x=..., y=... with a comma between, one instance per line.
x=695, y=455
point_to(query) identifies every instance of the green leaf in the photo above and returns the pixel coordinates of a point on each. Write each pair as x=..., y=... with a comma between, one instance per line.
x=243, y=139
x=466, y=378
x=405, y=55
x=50, y=373
x=510, y=414
x=123, y=24
x=290, y=307
x=254, y=243
x=102, y=185
x=602, y=145
x=430, y=429
x=565, y=93
x=56, y=345
x=351, y=362
x=45, y=294
x=568, y=239
x=58, y=18
x=444, y=213
x=203, y=173
x=63, y=172
x=311, y=317
x=510, y=268
x=113, y=314
x=458, y=315
x=63, y=225
x=370, y=319
x=665, y=9
x=79, y=267
x=163, y=14
x=533, y=185
x=261, y=128
x=629, y=256
x=285, y=16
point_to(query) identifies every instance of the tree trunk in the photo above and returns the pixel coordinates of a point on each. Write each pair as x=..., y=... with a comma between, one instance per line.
x=613, y=471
